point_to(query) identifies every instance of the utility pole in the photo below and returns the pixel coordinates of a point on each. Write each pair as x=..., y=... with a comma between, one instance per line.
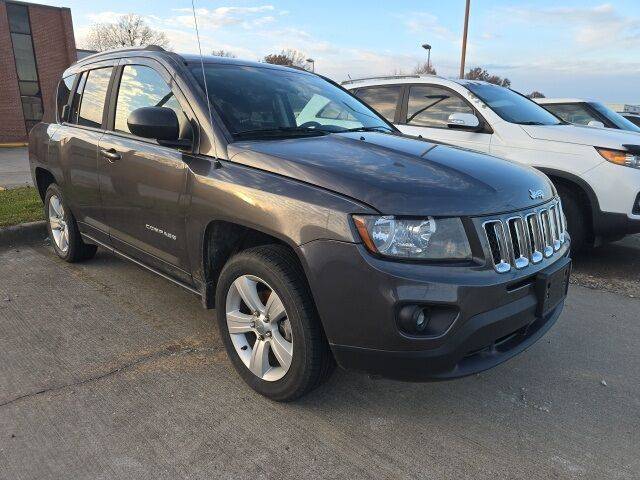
x=464, y=38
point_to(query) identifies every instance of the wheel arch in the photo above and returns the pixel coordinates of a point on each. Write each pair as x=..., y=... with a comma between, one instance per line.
x=586, y=194
x=43, y=178
x=221, y=240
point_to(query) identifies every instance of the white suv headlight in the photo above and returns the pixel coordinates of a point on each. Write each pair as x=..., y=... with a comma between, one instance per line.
x=418, y=239
x=620, y=157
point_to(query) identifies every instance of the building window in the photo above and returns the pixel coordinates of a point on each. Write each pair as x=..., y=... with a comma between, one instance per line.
x=26, y=67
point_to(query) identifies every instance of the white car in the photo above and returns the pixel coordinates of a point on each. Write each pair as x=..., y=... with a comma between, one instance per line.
x=596, y=171
x=586, y=112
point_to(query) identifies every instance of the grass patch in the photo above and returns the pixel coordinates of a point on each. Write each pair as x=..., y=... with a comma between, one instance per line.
x=20, y=205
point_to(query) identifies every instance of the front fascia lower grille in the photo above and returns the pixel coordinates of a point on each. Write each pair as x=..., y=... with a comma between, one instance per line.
x=525, y=238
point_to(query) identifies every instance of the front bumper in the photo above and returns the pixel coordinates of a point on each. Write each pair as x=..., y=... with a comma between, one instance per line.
x=358, y=298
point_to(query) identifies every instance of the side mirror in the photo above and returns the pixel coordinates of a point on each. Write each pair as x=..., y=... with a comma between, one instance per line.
x=463, y=121
x=595, y=123
x=158, y=123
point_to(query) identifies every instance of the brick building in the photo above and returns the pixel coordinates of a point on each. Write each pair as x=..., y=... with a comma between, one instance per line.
x=36, y=46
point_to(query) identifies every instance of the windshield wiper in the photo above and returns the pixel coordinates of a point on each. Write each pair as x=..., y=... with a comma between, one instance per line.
x=379, y=128
x=279, y=131
x=533, y=123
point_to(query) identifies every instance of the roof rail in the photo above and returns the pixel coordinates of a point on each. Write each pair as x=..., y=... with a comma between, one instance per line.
x=151, y=48
x=384, y=77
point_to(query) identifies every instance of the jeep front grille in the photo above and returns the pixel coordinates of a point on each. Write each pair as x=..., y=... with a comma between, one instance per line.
x=527, y=237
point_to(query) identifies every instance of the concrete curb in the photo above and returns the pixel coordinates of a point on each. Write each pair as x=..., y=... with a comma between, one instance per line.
x=23, y=233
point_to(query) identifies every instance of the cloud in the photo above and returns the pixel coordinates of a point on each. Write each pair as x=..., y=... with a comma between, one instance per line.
x=428, y=25
x=227, y=16
x=599, y=26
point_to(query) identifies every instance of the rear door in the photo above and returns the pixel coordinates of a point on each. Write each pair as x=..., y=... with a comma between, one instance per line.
x=143, y=183
x=426, y=111
x=77, y=139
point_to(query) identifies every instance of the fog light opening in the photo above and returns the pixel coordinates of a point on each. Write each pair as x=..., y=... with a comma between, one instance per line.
x=414, y=319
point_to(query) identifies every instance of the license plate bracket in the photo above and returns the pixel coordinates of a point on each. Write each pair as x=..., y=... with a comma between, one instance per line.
x=552, y=287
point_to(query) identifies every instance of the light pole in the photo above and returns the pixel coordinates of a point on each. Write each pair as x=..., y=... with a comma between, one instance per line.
x=313, y=64
x=427, y=47
x=464, y=38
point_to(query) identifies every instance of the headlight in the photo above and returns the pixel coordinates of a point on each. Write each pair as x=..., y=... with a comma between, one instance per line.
x=420, y=239
x=620, y=157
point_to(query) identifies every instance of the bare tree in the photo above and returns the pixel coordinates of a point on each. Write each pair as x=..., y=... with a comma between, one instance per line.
x=223, y=53
x=129, y=31
x=424, y=69
x=478, y=73
x=536, y=94
x=289, y=58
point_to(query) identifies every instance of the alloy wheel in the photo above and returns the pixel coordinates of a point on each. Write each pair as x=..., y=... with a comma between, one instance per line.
x=259, y=328
x=59, y=227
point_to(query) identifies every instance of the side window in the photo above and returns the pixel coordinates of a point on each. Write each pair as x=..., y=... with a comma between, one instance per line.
x=142, y=86
x=572, y=113
x=383, y=99
x=93, y=97
x=64, y=90
x=430, y=106
x=77, y=96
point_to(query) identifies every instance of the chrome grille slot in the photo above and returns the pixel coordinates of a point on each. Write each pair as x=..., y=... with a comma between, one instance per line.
x=500, y=253
x=526, y=238
x=547, y=236
x=535, y=236
x=519, y=242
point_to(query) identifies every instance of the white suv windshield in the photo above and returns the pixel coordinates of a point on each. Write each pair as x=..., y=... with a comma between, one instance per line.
x=511, y=106
x=255, y=102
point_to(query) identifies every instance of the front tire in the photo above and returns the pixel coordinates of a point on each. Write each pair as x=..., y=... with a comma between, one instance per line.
x=63, y=229
x=269, y=324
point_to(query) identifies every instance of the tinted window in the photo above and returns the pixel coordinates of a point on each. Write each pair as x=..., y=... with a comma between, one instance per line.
x=18, y=18
x=93, y=97
x=64, y=90
x=142, y=86
x=572, y=113
x=77, y=96
x=511, y=106
x=430, y=106
x=258, y=101
x=614, y=117
x=633, y=118
x=383, y=99
x=25, y=60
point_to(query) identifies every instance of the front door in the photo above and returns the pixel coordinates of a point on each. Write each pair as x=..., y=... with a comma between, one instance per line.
x=427, y=113
x=142, y=183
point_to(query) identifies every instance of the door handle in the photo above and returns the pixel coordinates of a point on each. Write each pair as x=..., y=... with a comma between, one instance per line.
x=111, y=155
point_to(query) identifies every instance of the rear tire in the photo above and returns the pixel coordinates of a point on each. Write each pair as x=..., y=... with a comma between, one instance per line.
x=63, y=229
x=269, y=270
x=576, y=215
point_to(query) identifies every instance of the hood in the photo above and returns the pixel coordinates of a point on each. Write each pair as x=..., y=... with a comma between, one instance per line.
x=596, y=137
x=399, y=175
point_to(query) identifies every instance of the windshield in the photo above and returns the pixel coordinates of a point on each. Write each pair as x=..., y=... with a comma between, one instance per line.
x=257, y=102
x=615, y=118
x=512, y=106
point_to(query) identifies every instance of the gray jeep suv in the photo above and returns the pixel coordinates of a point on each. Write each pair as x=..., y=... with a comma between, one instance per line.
x=317, y=231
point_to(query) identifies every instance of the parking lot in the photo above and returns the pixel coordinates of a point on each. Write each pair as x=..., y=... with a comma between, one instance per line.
x=107, y=371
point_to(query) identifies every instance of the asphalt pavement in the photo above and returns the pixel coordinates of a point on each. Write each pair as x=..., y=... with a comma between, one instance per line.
x=109, y=372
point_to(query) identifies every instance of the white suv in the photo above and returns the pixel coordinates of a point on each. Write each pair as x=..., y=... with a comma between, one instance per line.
x=596, y=171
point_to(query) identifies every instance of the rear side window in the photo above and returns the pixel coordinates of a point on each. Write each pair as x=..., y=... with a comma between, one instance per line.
x=93, y=97
x=383, y=99
x=430, y=106
x=572, y=113
x=142, y=86
x=64, y=90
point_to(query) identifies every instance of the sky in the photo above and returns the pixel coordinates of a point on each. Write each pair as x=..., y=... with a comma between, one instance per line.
x=563, y=48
